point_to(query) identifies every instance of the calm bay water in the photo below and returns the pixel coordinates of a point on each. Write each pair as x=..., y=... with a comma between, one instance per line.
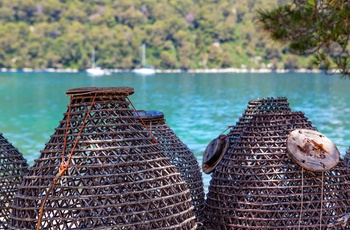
x=198, y=107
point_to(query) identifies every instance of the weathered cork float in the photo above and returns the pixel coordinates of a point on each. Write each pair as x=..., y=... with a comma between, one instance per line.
x=180, y=156
x=101, y=170
x=13, y=166
x=260, y=183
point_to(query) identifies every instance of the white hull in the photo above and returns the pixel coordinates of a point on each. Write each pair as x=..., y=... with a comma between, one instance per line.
x=145, y=71
x=96, y=71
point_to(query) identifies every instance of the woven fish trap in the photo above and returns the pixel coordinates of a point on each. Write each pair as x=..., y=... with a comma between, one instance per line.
x=216, y=149
x=101, y=170
x=13, y=166
x=180, y=155
x=257, y=185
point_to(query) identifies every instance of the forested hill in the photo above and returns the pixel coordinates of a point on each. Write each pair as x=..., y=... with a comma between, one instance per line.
x=179, y=34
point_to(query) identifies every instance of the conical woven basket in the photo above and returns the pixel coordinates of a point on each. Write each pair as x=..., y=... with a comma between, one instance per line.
x=257, y=185
x=180, y=155
x=13, y=166
x=101, y=170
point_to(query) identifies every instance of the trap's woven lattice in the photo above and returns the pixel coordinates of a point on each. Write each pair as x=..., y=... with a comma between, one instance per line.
x=259, y=106
x=347, y=158
x=113, y=175
x=13, y=166
x=256, y=185
x=180, y=155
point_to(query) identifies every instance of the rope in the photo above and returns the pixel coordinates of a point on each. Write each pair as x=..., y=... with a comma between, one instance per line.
x=66, y=134
x=64, y=164
x=224, y=136
x=302, y=196
x=321, y=200
x=139, y=116
x=225, y=130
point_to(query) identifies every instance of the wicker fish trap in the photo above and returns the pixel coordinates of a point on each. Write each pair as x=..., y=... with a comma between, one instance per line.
x=257, y=185
x=180, y=155
x=101, y=170
x=13, y=166
x=218, y=146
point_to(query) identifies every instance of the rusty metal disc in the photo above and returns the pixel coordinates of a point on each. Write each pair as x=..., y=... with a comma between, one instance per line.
x=312, y=150
x=214, y=153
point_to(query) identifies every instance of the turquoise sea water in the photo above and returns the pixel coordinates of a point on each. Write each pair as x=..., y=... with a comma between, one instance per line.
x=198, y=107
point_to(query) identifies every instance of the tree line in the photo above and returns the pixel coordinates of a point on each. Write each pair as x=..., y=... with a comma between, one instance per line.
x=179, y=34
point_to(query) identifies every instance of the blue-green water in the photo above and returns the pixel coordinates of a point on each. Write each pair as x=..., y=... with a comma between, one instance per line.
x=198, y=107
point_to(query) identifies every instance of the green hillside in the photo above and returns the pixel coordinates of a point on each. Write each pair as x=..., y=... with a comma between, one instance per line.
x=180, y=34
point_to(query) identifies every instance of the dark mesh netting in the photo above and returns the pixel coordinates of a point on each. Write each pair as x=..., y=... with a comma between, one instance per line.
x=347, y=158
x=180, y=155
x=256, y=106
x=12, y=168
x=257, y=185
x=259, y=106
x=101, y=170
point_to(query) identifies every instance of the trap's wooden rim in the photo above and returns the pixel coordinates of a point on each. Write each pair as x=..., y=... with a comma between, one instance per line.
x=214, y=152
x=89, y=90
x=312, y=150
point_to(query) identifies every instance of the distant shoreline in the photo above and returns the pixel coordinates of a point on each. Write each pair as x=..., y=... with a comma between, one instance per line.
x=227, y=70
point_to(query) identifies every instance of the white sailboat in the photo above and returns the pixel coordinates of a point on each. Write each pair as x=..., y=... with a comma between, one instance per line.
x=144, y=70
x=94, y=71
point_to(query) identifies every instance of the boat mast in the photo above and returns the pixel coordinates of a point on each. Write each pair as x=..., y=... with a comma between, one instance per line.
x=143, y=54
x=93, y=58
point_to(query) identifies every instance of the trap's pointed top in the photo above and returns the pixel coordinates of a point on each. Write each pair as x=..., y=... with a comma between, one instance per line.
x=267, y=105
